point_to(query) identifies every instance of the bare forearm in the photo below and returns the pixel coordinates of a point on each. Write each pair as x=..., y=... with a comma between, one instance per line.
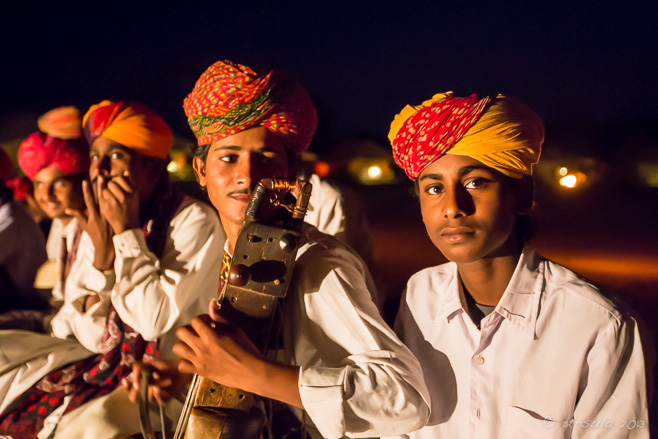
x=269, y=379
x=103, y=258
x=280, y=382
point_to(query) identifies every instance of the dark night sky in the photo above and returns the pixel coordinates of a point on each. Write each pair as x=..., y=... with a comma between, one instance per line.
x=361, y=62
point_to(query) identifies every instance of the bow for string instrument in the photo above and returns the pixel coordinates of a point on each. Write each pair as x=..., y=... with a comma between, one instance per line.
x=258, y=278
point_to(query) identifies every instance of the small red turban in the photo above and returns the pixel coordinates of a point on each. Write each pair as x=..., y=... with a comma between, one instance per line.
x=132, y=125
x=5, y=165
x=229, y=98
x=42, y=149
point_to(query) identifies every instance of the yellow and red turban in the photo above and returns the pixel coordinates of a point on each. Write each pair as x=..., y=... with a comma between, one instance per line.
x=229, y=98
x=6, y=167
x=132, y=125
x=500, y=132
x=59, y=144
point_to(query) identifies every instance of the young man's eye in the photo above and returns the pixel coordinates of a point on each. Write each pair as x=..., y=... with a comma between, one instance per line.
x=475, y=183
x=229, y=158
x=93, y=157
x=117, y=156
x=434, y=189
x=60, y=184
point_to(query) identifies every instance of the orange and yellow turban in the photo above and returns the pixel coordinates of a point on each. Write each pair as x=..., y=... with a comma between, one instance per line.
x=229, y=98
x=132, y=125
x=59, y=144
x=500, y=132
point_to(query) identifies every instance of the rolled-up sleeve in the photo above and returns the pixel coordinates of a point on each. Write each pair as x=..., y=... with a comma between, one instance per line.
x=154, y=295
x=357, y=379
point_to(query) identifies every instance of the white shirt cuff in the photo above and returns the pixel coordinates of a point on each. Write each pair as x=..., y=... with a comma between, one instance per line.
x=130, y=243
x=321, y=391
x=99, y=281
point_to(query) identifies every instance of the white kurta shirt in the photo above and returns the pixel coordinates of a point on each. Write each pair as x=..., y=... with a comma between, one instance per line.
x=339, y=212
x=555, y=358
x=154, y=296
x=54, y=241
x=70, y=321
x=357, y=379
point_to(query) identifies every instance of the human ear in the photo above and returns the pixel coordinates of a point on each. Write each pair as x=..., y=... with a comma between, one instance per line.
x=199, y=171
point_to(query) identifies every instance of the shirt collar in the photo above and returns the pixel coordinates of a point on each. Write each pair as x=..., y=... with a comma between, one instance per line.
x=519, y=303
x=452, y=301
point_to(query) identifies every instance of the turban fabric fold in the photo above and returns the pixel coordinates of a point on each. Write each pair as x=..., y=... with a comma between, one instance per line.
x=59, y=144
x=500, y=132
x=229, y=98
x=132, y=125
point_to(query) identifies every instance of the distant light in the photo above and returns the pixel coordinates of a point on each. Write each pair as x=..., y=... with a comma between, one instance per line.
x=322, y=169
x=172, y=167
x=563, y=171
x=374, y=172
x=569, y=181
x=648, y=174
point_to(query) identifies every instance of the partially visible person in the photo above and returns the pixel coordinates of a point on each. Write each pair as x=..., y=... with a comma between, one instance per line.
x=340, y=365
x=56, y=160
x=150, y=265
x=512, y=345
x=24, y=194
x=22, y=250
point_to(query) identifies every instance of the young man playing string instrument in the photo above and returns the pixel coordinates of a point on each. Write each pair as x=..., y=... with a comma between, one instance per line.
x=512, y=345
x=340, y=362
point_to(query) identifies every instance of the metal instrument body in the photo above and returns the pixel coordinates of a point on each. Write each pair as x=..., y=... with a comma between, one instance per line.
x=260, y=273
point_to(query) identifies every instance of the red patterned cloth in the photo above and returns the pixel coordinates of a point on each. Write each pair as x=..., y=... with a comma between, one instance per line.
x=82, y=381
x=229, y=98
x=433, y=129
x=97, y=375
x=40, y=150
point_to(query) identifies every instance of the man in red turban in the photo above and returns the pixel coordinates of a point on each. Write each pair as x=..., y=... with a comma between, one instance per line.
x=56, y=160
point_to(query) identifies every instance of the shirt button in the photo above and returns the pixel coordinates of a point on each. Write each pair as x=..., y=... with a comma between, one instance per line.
x=479, y=360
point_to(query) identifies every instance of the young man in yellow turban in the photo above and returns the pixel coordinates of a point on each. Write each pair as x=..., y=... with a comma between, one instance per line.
x=150, y=267
x=340, y=362
x=511, y=344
